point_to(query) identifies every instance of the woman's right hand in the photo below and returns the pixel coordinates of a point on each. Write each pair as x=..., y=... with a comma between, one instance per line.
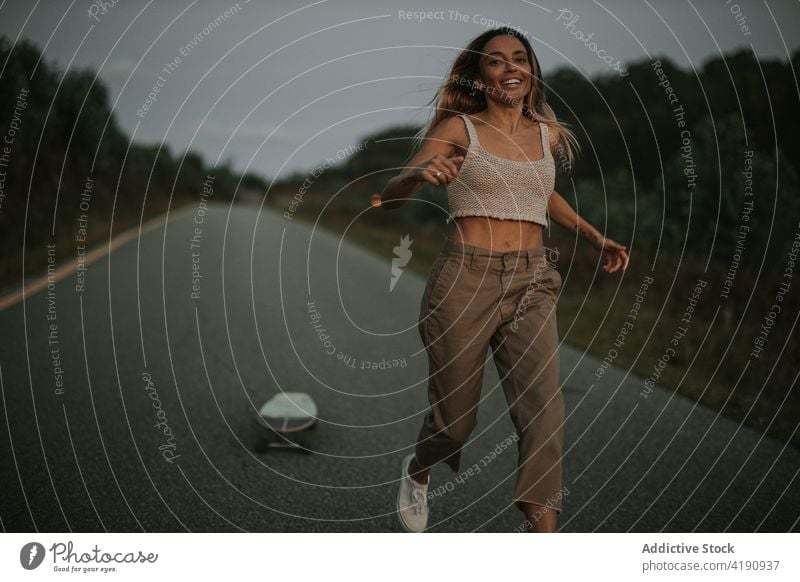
x=438, y=170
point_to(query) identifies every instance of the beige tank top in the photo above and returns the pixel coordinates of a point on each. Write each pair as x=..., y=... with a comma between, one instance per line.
x=488, y=185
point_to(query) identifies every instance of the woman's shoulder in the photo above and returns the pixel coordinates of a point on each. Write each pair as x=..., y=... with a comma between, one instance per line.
x=452, y=121
x=453, y=130
x=476, y=118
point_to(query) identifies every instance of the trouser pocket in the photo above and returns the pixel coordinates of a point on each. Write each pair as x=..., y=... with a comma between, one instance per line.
x=440, y=281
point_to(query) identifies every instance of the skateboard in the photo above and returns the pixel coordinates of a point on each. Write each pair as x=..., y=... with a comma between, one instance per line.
x=285, y=416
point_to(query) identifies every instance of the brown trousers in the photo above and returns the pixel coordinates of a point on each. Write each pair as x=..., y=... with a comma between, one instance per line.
x=477, y=298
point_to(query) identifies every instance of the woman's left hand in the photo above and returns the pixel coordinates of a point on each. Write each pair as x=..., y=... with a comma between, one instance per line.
x=614, y=254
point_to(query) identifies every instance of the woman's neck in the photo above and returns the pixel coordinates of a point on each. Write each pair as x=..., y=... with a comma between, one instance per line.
x=507, y=118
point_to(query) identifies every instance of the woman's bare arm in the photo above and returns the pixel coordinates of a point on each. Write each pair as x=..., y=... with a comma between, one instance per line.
x=434, y=155
x=562, y=213
x=615, y=254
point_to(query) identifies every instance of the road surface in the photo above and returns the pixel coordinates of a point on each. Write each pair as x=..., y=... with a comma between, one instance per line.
x=130, y=390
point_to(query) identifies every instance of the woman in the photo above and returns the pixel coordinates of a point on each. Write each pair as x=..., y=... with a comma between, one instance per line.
x=492, y=141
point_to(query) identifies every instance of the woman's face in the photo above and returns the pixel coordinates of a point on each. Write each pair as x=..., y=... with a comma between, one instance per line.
x=505, y=69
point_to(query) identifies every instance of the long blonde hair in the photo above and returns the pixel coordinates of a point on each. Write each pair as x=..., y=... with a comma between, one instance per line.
x=454, y=97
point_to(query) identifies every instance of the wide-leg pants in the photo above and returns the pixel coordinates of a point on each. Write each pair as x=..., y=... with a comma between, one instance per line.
x=476, y=299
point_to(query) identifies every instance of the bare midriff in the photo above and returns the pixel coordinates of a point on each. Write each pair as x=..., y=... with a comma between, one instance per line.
x=496, y=234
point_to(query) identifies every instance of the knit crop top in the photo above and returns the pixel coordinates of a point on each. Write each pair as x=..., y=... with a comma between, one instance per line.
x=488, y=185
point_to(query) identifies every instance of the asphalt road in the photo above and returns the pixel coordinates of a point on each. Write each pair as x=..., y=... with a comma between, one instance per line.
x=130, y=404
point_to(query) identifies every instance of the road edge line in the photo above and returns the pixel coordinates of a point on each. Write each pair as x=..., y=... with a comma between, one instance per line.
x=33, y=287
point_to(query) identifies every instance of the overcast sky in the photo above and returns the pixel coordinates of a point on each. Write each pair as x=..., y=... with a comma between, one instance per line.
x=279, y=86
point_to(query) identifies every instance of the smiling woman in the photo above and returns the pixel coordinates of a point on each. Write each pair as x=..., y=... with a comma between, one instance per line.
x=491, y=142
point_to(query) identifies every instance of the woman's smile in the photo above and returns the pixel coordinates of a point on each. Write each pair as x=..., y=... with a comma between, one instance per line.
x=512, y=82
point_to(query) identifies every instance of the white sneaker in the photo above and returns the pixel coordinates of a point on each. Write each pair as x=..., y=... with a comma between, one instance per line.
x=412, y=500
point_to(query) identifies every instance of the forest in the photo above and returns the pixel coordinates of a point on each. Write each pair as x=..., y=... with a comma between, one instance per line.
x=70, y=175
